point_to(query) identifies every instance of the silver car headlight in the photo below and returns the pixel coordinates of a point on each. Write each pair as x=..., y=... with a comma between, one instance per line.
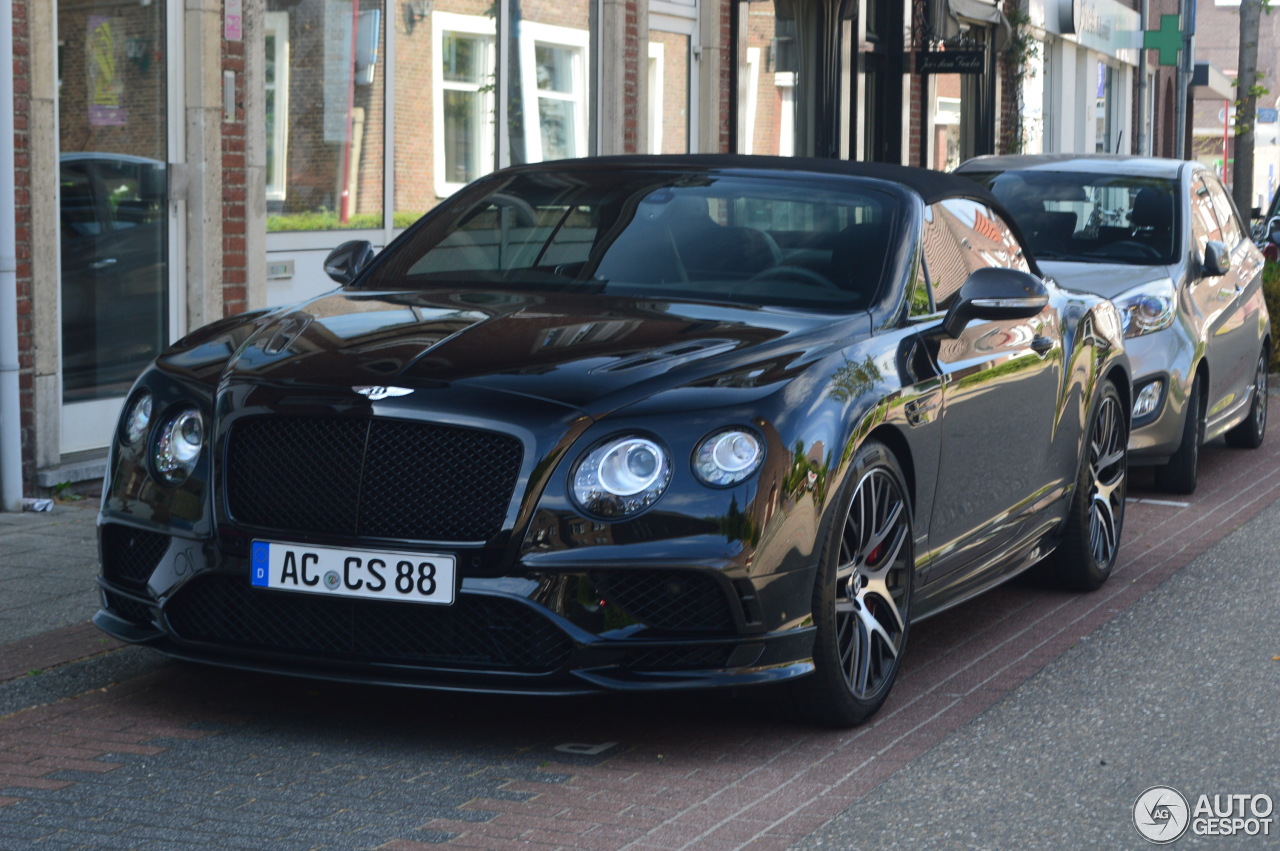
x=1147, y=308
x=727, y=457
x=621, y=476
x=137, y=418
x=178, y=442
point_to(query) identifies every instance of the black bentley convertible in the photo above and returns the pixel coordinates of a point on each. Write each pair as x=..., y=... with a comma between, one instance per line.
x=627, y=423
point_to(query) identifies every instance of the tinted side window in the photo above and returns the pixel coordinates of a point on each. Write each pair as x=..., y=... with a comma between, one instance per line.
x=961, y=236
x=920, y=300
x=945, y=260
x=1204, y=221
x=1232, y=233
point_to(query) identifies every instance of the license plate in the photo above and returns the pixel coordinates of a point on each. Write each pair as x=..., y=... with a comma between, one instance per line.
x=410, y=577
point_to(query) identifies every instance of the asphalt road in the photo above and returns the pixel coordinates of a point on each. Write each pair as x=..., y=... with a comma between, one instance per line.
x=1180, y=690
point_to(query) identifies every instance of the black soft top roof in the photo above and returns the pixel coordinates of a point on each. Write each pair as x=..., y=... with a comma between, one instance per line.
x=929, y=185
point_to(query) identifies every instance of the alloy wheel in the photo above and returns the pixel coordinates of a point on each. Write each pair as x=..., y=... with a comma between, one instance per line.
x=1108, y=469
x=872, y=587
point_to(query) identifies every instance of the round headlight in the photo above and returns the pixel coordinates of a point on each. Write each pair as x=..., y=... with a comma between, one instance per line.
x=178, y=445
x=137, y=418
x=727, y=457
x=621, y=476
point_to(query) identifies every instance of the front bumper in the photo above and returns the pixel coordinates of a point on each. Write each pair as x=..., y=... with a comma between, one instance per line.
x=544, y=632
x=1165, y=357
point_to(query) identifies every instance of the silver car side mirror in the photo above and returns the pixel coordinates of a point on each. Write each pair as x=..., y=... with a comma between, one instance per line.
x=1217, y=260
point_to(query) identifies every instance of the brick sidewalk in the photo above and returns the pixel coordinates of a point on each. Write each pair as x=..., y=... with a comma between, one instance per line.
x=202, y=756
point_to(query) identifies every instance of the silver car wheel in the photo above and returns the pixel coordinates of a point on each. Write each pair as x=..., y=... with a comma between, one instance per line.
x=1107, y=468
x=871, y=586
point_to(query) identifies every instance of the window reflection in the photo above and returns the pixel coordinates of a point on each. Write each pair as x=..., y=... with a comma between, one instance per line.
x=450, y=127
x=324, y=114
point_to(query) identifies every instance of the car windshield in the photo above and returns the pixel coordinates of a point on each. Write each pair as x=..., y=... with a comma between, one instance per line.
x=796, y=242
x=1091, y=218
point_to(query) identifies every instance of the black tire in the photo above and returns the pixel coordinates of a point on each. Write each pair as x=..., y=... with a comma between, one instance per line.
x=861, y=596
x=1249, y=434
x=1179, y=474
x=1087, y=553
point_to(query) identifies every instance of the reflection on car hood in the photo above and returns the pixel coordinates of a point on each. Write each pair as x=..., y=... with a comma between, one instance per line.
x=1105, y=279
x=592, y=352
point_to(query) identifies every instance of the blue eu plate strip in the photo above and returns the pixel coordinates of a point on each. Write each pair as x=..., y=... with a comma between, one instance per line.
x=258, y=562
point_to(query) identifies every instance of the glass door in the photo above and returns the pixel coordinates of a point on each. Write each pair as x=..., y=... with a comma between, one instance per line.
x=115, y=211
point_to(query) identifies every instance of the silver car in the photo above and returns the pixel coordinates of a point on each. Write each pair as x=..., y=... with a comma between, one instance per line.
x=1163, y=240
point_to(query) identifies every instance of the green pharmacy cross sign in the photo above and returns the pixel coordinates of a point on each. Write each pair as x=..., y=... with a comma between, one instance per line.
x=1167, y=40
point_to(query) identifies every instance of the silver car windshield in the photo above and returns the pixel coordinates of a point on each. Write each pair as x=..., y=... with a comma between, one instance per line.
x=757, y=240
x=1092, y=217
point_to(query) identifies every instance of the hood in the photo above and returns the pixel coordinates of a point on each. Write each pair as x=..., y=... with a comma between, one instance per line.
x=589, y=351
x=1105, y=279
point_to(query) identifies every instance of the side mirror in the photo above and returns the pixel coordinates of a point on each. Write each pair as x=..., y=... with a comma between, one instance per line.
x=1217, y=260
x=1273, y=230
x=995, y=293
x=347, y=260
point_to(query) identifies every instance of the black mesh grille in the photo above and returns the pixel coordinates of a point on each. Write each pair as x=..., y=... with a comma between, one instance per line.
x=371, y=478
x=666, y=599
x=130, y=610
x=130, y=555
x=475, y=632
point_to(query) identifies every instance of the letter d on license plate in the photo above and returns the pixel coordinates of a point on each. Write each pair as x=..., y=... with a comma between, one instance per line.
x=409, y=577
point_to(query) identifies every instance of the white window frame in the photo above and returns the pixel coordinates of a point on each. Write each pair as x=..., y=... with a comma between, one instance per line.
x=785, y=81
x=683, y=20
x=533, y=34
x=277, y=24
x=753, y=100
x=468, y=25
x=657, y=56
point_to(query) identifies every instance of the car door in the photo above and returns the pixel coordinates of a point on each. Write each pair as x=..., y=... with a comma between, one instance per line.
x=1228, y=303
x=1000, y=392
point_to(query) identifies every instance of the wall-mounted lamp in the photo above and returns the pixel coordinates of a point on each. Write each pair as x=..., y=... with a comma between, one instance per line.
x=415, y=11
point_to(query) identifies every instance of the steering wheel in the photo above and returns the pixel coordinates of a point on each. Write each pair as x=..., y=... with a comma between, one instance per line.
x=1128, y=248
x=795, y=274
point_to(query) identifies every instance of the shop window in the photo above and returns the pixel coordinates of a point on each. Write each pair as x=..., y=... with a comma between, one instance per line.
x=1104, y=110
x=1031, y=113
x=946, y=115
x=325, y=108
x=331, y=163
x=767, y=61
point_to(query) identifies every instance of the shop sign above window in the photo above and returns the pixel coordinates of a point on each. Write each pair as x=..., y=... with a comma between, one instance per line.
x=950, y=62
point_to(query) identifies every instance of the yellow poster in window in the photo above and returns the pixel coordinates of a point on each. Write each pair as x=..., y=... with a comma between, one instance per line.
x=105, y=85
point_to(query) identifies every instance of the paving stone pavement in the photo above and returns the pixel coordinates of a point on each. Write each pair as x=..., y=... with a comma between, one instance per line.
x=120, y=748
